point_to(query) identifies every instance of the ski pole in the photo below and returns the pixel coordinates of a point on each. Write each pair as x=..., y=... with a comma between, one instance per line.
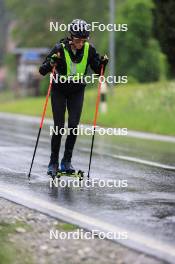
x=42, y=120
x=95, y=119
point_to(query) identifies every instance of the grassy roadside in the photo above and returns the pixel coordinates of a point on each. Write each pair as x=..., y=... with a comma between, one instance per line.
x=11, y=252
x=148, y=107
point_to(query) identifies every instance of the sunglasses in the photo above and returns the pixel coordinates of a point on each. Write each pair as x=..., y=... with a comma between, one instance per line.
x=77, y=40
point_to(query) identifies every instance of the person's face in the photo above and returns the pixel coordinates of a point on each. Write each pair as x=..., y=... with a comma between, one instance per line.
x=78, y=43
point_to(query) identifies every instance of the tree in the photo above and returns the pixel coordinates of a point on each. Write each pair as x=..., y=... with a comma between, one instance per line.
x=138, y=53
x=164, y=28
x=34, y=16
x=3, y=29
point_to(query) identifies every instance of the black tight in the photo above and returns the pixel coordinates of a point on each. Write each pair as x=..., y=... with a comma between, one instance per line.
x=61, y=100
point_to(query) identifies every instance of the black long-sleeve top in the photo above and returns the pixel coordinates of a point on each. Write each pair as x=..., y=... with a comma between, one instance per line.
x=93, y=60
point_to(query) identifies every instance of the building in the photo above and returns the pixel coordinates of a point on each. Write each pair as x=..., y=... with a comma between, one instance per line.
x=28, y=61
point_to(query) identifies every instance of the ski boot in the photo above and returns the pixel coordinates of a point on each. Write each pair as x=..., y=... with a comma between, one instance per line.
x=67, y=167
x=52, y=169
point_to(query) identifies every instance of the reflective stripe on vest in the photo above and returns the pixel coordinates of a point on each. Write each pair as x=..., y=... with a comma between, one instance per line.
x=76, y=69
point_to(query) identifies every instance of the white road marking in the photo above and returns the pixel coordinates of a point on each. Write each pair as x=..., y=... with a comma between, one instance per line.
x=133, y=159
x=127, y=158
x=151, y=136
x=145, y=162
x=49, y=121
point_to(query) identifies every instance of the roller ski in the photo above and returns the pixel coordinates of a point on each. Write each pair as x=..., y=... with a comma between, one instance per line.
x=68, y=170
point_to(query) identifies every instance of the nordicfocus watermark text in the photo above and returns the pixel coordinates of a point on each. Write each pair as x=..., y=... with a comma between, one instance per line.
x=88, y=183
x=88, y=79
x=81, y=234
x=95, y=25
x=88, y=131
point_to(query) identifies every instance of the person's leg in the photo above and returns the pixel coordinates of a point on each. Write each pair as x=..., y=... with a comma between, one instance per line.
x=74, y=106
x=58, y=102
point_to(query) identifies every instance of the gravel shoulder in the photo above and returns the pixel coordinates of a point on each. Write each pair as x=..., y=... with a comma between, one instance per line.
x=25, y=238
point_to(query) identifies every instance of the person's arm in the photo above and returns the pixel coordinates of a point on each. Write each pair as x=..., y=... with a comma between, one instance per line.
x=49, y=60
x=96, y=61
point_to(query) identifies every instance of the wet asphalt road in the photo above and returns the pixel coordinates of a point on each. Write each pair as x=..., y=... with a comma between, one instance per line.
x=145, y=206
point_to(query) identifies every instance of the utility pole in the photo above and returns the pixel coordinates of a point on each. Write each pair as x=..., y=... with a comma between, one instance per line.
x=112, y=39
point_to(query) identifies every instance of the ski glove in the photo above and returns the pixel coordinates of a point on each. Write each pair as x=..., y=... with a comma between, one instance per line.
x=104, y=60
x=54, y=59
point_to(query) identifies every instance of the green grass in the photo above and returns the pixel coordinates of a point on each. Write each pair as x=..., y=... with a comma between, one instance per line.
x=66, y=227
x=10, y=252
x=148, y=107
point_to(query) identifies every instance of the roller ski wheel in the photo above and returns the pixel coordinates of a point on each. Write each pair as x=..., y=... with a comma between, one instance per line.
x=77, y=174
